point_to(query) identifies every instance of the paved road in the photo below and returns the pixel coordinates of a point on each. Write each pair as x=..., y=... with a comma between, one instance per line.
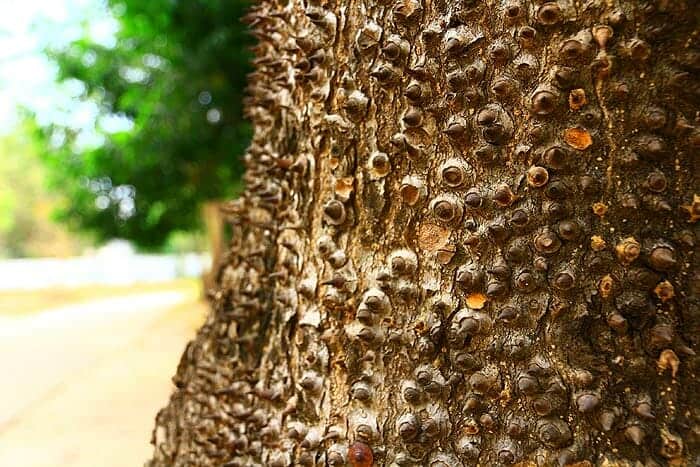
x=80, y=385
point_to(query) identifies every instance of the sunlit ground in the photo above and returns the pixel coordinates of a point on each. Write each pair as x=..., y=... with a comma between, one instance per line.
x=86, y=369
x=20, y=302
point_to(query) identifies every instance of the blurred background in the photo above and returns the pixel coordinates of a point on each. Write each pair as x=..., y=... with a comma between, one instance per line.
x=121, y=131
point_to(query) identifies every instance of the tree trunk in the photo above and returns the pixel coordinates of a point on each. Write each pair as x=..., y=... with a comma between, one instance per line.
x=214, y=227
x=468, y=238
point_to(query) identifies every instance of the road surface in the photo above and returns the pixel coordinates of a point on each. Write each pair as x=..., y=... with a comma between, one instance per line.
x=80, y=384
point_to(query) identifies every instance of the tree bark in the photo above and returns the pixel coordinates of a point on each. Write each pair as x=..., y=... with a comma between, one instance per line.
x=468, y=238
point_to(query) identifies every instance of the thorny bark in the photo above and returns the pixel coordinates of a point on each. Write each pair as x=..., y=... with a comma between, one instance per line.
x=468, y=238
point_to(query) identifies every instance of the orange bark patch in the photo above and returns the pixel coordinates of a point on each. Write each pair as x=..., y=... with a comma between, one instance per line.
x=578, y=138
x=360, y=455
x=476, y=301
x=432, y=237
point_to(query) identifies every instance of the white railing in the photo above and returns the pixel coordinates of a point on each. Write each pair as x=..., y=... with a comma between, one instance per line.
x=123, y=268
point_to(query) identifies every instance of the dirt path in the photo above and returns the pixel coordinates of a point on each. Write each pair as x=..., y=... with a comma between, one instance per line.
x=81, y=384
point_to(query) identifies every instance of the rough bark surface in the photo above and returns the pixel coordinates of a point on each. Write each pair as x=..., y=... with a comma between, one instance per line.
x=468, y=238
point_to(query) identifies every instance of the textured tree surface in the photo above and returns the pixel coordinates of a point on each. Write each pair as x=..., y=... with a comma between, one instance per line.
x=468, y=238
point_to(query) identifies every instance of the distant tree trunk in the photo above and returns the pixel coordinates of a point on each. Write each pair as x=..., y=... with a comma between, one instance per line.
x=468, y=238
x=214, y=226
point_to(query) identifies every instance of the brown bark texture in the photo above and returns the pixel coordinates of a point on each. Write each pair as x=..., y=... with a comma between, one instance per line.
x=469, y=237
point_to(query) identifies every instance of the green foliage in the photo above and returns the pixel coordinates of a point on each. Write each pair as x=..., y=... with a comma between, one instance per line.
x=177, y=73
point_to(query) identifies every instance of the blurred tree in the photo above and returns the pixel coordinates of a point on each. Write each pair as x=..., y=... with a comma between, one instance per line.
x=170, y=128
x=26, y=228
